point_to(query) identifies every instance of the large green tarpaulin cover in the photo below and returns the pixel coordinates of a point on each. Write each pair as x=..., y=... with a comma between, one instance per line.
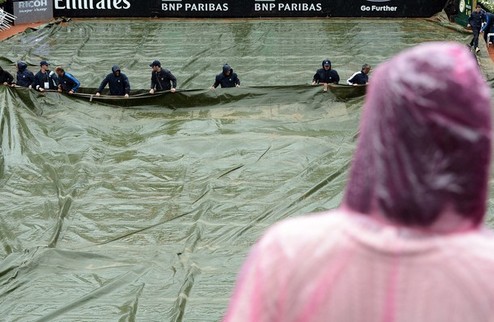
x=145, y=212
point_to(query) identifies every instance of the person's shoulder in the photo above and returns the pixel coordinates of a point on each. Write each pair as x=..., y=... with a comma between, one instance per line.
x=307, y=229
x=475, y=249
x=480, y=244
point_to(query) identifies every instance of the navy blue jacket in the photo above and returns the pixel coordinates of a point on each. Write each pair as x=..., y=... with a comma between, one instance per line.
x=41, y=78
x=163, y=80
x=326, y=76
x=359, y=78
x=68, y=83
x=489, y=21
x=476, y=18
x=25, y=78
x=119, y=85
x=5, y=77
x=230, y=80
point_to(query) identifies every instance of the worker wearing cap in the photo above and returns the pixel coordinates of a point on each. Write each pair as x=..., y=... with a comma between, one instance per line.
x=326, y=75
x=161, y=79
x=117, y=81
x=45, y=79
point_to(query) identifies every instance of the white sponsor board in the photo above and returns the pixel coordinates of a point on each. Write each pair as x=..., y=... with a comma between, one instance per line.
x=33, y=11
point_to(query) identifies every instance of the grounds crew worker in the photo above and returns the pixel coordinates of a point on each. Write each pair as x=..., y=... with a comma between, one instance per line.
x=227, y=78
x=161, y=79
x=117, y=82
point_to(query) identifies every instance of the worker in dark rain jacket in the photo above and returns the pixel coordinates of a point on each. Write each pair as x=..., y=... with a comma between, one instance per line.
x=5, y=77
x=360, y=78
x=475, y=21
x=326, y=75
x=66, y=82
x=45, y=79
x=25, y=77
x=117, y=81
x=488, y=27
x=161, y=79
x=227, y=78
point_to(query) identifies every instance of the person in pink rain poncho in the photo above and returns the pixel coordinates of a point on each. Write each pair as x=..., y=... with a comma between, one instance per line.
x=408, y=242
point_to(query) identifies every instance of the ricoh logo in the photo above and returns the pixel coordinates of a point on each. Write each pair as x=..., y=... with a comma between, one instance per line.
x=377, y=6
x=272, y=5
x=32, y=4
x=92, y=4
x=179, y=5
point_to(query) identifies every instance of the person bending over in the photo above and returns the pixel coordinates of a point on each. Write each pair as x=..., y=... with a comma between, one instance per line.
x=360, y=78
x=66, y=82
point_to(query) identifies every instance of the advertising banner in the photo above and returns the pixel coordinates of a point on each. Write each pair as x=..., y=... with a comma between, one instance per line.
x=464, y=10
x=32, y=11
x=247, y=8
x=106, y=8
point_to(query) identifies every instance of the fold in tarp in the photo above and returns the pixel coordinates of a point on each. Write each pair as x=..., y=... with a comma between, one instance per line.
x=209, y=97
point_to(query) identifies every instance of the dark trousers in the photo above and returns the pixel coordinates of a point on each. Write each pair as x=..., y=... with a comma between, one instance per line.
x=475, y=40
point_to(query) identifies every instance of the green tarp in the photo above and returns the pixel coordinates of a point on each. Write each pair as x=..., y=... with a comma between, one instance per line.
x=145, y=212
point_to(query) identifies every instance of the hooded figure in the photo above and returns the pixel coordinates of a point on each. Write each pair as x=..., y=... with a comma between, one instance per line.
x=5, y=77
x=326, y=75
x=118, y=83
x=408, y=243
x=227, y=78
x=25, y=78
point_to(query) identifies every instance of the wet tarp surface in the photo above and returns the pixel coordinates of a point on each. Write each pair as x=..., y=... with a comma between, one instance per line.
x=144, y=212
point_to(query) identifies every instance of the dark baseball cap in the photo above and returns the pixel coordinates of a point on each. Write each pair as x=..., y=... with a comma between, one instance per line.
x=326, y=62
x=155, y=63
x=44, y=62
